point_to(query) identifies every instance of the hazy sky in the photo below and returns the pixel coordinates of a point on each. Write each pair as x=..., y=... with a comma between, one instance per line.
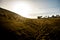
x=35, y=7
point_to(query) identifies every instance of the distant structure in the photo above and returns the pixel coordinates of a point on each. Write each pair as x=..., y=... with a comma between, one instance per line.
x=53, y=16
x=57, y=16
x=45, y=17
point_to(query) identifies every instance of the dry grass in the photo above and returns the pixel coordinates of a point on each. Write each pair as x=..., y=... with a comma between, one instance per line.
x=28, y=29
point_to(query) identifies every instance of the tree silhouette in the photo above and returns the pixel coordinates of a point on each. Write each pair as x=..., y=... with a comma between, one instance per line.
x=39, y=17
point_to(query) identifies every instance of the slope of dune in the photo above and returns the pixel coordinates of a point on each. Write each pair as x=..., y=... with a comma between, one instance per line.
x=13, y=27
x=16, y=27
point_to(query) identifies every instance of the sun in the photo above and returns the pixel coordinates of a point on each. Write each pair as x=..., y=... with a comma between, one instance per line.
x=22, y=8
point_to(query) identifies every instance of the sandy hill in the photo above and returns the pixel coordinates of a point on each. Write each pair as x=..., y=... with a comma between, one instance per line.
x=16, y=27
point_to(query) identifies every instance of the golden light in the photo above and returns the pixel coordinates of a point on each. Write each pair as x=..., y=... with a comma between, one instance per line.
x=22, y=8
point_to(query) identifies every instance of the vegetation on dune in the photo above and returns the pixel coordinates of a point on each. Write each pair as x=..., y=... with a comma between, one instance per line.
x=15, y=27
x=45, y=27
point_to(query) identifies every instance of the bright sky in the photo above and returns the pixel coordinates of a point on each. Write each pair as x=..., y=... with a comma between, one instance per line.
x=32, y=8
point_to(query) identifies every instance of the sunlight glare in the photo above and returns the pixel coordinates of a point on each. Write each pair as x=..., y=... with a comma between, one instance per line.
x=22, y=8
